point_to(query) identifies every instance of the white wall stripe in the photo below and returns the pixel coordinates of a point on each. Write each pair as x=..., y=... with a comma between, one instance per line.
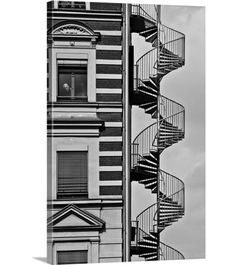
x=109, y=47
x=92, y=19
x=110, y=168
x=109, y=110
x=108, y=76
x=110, y=153
x=117, y=197
x=116, y=62
x=109, y=90
x=110, y=32
x=110, y=139
x=113, y=124
x=110, y=183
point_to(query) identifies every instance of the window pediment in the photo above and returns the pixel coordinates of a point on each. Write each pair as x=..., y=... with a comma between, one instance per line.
x=72, y=29
x=72, y=218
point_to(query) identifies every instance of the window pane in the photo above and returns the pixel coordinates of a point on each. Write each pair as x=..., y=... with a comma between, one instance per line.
x=72, y=81
x=72, y=257
x=72, y=174
x=64, y=84
x=81, y=82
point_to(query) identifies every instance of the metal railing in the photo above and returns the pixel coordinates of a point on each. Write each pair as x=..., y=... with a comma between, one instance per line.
x=171, y=189
x=171, y=41
x=165, y=252
x=168, y=55
x=171, y=125
x=147, y=11
x=169, y=253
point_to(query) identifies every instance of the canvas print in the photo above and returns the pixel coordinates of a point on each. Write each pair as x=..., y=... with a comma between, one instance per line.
x=126, y=132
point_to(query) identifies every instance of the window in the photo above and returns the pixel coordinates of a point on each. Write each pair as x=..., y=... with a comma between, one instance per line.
x=72, y=172
x=72, y=257
x=72, y=80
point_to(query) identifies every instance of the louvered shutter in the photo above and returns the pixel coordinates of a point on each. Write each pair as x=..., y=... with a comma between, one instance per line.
x=72, y=257
x=72, y=174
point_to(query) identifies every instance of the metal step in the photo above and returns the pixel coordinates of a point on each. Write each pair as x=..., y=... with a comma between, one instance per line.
x=148, y=31
x=151, y=38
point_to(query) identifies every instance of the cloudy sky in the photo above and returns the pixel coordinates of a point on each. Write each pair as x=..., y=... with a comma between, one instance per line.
x=186, y=160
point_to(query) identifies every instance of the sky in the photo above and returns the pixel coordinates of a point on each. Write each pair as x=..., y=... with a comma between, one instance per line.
x=186, y=159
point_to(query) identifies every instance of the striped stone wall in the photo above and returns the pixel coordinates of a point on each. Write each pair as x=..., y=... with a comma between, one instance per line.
x=109, y=84
x=105, y=19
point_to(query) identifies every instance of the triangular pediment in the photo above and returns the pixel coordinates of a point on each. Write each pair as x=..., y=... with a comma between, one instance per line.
x=72, y=218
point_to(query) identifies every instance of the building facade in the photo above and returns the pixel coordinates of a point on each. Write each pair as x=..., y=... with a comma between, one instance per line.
x=92, y=86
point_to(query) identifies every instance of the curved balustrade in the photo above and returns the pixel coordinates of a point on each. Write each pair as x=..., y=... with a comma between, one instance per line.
x=169, y=253
x=171, y=190
x=146, y=11
x=165, y=57
x=171, y=129
x=171, y=41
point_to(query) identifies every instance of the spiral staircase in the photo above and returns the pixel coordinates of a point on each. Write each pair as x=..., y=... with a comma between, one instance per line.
x=166, y=55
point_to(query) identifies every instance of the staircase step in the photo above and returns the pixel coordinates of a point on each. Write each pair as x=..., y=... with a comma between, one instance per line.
x=148, y=105
x=150, y=83
x=148, y=91
x=155, y=80
x=166, y=51
x=166, y=201
x=151, y=110
x=171, y=132
x=145, y=181
x=146, y=171
x=147, y=243
x=151, y=89
x=151, y=38
x=154, y=152
x=151, y=185
x=148, y=255
x=147, y=163
x=148, y=31
x=150, y=157
x=168, y=58
x=174, y=212
x=152, y=258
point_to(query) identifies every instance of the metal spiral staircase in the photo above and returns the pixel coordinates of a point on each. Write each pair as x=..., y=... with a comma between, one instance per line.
x=166, y=56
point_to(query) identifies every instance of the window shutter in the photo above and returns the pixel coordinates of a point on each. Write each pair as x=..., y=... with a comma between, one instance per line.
x=72, y=257
x=72, y=174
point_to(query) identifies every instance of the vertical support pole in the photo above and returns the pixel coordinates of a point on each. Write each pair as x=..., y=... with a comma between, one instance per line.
x=126, y=135
x=158, y=10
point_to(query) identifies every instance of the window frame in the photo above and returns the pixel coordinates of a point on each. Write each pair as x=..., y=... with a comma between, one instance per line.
x=80, y=196
x=68, y=53
x=72, y=66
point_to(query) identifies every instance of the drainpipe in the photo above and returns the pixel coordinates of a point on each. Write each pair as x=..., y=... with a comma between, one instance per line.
x=126, y=136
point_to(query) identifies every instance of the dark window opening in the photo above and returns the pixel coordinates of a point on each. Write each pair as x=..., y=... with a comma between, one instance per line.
x=72, y=175
x=72, y=82
x=72, y=257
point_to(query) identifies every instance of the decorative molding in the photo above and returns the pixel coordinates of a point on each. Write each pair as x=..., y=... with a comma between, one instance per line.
x=72, y=30
x=86, y=221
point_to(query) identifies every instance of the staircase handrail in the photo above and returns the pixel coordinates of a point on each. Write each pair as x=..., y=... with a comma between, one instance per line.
x=173, y=249
x=162, y=119
x=145, y=13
